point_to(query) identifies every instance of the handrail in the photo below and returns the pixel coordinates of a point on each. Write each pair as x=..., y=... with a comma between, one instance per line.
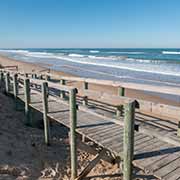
x=50, y=84
x=106, y=98
x=164, y=89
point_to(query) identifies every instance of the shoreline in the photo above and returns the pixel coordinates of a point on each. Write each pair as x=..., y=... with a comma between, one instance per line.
x=35, y=67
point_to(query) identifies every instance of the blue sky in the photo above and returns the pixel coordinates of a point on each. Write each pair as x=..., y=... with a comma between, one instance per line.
x=89, y=23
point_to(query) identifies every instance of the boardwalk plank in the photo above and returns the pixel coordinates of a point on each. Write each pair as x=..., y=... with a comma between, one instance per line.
x=174, y=175
x=164, y=171
x=163, y=161
x=165, y=165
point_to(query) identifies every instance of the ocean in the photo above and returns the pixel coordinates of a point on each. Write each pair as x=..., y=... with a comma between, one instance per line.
x=150, y=66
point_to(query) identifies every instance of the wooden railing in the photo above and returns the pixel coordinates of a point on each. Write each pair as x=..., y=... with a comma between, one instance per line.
x=16, y=80
x=157, y=109
x=149, y=107
x=126, y=85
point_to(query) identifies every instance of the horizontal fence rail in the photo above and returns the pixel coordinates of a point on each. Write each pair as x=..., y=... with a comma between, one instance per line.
x=125, y=107
x=19, y=80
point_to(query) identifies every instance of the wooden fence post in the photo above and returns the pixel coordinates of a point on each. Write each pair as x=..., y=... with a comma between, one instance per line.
x=85, y=85
x=15, y=85
x=15, y=88
x=45, y=111
x=73, y=124
x=32, y=75
x=35, y=76
x=27, y=101
x=7, y=83
x=47, y=78
x=178, y=130
x=128, y=140
x=26, y=75
x=119, y=111
x=62, y=93
x=1, y=76
x=85, y=101
x=41, y=76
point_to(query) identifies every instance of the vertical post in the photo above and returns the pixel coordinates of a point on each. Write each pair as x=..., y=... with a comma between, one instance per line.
x=7, y=83
x=178, y=130
x=128, y=140
x=15, y=88
x=1, y=76
x=47, y=78
x=85, y=85
x=15, y=85
x=62, y=93
x=45, y=111
x=121, y=91
x=27, y=101
x=119, y=111
x=85, y=101
x=41, y=76
x=35, y=76
x=73, y=124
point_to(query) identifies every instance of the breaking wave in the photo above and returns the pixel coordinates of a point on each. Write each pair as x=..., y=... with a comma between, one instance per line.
x=171, y=52
x=93, y=51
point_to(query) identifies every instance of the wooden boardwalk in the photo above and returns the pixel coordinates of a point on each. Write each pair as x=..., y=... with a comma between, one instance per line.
x=153, y=153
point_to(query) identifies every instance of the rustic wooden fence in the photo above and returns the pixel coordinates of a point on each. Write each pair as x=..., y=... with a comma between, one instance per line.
x=13, y=81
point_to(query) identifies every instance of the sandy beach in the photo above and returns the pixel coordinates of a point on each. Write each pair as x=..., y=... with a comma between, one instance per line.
x=39, y=67
x=89, y=90
x=24, y=155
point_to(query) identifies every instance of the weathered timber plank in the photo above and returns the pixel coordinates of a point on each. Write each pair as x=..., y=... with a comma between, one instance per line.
x=118, y=140
x=89, y=119
x=145, y=145
x=116, y=145
x=164, y=171
x=105, y=135
x=99, y=130
x=163, y=151
x=174, y=175
x=165, y=124
x=163, y=161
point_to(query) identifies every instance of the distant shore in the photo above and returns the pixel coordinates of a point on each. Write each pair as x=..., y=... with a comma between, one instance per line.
x=37, y=67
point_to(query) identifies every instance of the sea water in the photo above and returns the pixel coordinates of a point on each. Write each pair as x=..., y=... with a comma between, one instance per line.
x=151, y=66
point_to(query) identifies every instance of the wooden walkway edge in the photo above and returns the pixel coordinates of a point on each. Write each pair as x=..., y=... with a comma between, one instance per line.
x=148, y=151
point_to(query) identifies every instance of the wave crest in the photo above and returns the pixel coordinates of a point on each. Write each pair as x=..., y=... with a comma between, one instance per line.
x=94, y=51
x=170, y=52
x=76, y=55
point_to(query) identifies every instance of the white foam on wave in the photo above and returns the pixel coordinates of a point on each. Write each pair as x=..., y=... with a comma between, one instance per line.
x=120, y=52
x=141, y=60
x=76, y=58
x=13, y=51
x=76, y=55
x=38, y=53
x=118, y=66
x=170, y=52
x=94, y=51
x=99, y=57
x=107, y=57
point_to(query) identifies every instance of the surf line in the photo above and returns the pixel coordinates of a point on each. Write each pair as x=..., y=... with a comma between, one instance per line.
x=110, y=75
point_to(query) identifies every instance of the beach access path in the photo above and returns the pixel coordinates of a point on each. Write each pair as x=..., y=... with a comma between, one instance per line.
x=151, y=153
